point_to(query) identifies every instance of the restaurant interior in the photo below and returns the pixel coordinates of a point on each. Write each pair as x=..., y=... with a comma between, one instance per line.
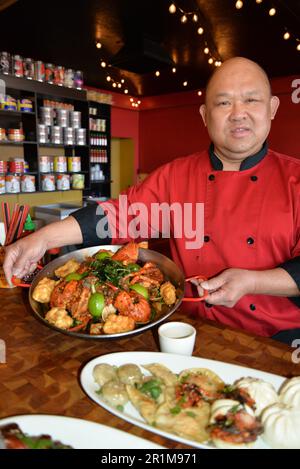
x=95, y=95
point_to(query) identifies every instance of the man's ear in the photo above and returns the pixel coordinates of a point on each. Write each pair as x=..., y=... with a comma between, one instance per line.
x=274, y=106
x=202, y=111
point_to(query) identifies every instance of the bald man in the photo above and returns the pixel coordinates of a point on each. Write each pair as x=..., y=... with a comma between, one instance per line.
x=250, y=249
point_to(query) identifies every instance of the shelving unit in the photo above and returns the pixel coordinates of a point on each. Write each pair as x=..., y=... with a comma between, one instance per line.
x=37, y=92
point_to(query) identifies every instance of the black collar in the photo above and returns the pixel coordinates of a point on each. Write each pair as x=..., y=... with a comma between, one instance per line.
x=248, y=163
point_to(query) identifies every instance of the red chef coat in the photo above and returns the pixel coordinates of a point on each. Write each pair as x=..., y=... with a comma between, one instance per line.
x=251, y=221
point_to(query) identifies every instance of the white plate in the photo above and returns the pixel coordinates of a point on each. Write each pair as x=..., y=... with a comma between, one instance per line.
x=176, y=363
x=80, y=434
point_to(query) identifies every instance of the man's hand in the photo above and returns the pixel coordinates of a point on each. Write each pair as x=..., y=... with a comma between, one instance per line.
x=228, y=287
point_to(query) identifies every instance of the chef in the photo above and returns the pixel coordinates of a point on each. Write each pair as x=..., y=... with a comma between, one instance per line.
x=251, y=240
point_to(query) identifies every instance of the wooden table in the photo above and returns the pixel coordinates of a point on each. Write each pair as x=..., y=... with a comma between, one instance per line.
x=42, y=369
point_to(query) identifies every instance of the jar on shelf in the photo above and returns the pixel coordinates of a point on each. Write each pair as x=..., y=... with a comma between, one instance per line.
x=59, y=75
x=56, y=135
x=80, y=136
x=27, y=183
x=5, y=61
x=3, y=137
x=78, y=79
x=75, y=119
x=62, y=117
x=28, y=65
x=40, y=71
x=77, y=181
x=69, y=136
x=25, y=105
x=9, y=103
x=2, y=184
x=49, y=73
x=43, y=136
x=17, y=66
x=47, y=115
x=3, y=166
x=69, y=78
x=45, y=164
x=74, y=164
x=63, y=182
x=16, y=165
x=60, y=164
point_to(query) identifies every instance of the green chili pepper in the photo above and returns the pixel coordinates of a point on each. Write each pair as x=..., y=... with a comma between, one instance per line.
x=73, y=276
x=96, y=304
x=139, y=288
x=102, y=255
x=133, y=267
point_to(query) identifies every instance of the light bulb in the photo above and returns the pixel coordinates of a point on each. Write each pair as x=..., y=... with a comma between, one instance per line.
x=183, y=19
x=185, y=83
x=119, y=85
x=286, y=36
x=272, y=11
x=122, y=81
x=239, y=4
x=200, y=31
x=98, y=45
x=126, y=91
x=195, y=17
x=172, y=8
x=131, y=100
x=199, y=93
x=139, y=102
x=114, y=85
x=259, y=1
x=206, y=50
x=108, y=78
x=174, y=70
x=103, y=64
x=210, y=60
x=157, y=73
x=298, y=47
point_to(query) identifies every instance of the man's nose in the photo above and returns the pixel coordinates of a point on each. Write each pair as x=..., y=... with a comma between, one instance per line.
x=238, y=111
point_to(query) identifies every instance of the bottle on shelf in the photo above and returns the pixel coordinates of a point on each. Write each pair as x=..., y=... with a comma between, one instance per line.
x=29, y=227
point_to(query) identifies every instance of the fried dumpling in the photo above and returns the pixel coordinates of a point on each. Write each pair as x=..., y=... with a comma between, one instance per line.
x=208, y=382
x=162, y=372
x=145, y=405
x=43, y=290
x=68, y=268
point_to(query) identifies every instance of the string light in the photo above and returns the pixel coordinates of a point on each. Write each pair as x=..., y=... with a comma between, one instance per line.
x=183, y=19
x=272, y=11
x=126, y=91
x=200, y=30
x=195, y=18
x=172, y=8
x=157, y=73
x=135, y=103
x=199, y=93
x=185, y=83
x=210, y=60
x=173, y=70
x=239, y=4
x=259, y=1
x=206, y=50
x=286, y=35
x=103, y=64
x=298, y=47
x=98, y=45
x=122, y=81
x=119, y=85
x=108, y=78
x=114, y=85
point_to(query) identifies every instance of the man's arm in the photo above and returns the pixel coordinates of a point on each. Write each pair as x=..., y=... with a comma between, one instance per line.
x=227, y=288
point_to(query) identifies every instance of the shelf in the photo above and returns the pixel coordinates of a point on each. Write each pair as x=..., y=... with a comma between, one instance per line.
x=101, y=181
x=64, y=172
x=60, y=145
x=20, y=174
x=18, y=143
x=5, y=112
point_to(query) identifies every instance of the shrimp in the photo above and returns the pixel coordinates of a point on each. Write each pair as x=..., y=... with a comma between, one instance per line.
x=63, y=293
x=133, y=305
x=128, y=254
x=148, y=276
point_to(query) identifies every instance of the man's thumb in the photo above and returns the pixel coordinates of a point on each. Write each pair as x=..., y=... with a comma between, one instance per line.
x=212, y=284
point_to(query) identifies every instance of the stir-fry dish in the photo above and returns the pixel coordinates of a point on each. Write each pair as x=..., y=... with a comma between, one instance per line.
x=12, y=437
x=108, y=293
x=197, y=405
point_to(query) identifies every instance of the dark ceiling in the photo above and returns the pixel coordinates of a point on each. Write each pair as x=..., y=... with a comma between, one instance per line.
x=147, y=37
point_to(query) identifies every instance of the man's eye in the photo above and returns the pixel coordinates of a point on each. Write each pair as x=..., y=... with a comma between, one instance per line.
x=251, y=100
x=223, y=103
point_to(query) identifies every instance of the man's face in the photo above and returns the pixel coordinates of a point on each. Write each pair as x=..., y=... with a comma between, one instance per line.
x=239, y=110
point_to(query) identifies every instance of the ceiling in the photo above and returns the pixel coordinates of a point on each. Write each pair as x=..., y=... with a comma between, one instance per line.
x=65, y=32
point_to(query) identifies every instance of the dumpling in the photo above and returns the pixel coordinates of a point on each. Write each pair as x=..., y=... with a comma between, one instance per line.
x=129, y=374
x=59, y=317
x=43, y=290
x=290, y=392
x=114, y=393
x=208, y=382
x=263, y=393
x=162, y=372
x=233, y=425
x=281, y=426
x=103, y=373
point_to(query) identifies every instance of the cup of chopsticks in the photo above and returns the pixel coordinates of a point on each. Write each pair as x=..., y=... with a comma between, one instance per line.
x=13, y=226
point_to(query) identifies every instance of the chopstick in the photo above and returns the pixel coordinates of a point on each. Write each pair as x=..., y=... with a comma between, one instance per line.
x=16, y=224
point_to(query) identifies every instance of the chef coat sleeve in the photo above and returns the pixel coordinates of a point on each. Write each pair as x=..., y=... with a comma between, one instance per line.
x=293, y=268
x=88, y=219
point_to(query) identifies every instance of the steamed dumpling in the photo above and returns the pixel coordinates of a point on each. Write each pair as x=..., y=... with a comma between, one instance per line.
x=263, y=393
x=130, y=374
x=103, y=373
x=290, y=392
x=114, y=393
x=281, y=426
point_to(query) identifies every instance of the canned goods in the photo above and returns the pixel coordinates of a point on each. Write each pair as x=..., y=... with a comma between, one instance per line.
x=75, y=119
x=25, y=105
x=39, y=70
x=59, y=75
x=60, y=164
x=45, y=164
x=69, y=136
x=5, y=63
x=2, y=184
x=49, y=73
x=3, y=166
x=63, y=182
x=12, y=183
x=74, y=164
x=27, y=183
x=43, y=133
x=9, y=104
x=56, y=135
x=80, y=136
x=3, y=137
x=17, y=66
x=69, y=78
x=16, y=166
x=16, y=135
x=28, y=65
x=78, y=79
x=77, y=181
x=47, y=115
x=48, y=182
x=62, y=117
